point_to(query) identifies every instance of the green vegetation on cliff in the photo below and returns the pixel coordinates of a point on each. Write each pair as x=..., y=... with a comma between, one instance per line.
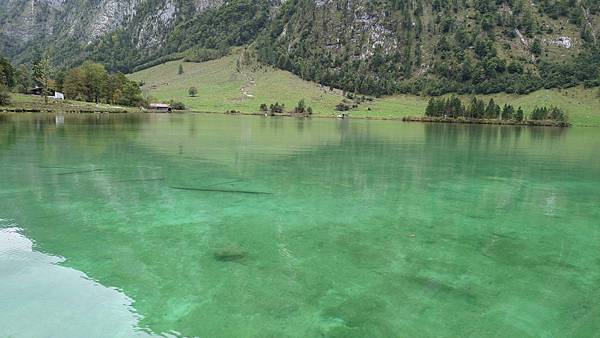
x=437, y=47
x=368, y=47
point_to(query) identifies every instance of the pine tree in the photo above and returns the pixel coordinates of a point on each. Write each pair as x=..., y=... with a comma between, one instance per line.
x=536, y=47
x=520, y=116
x=490, y=111
x=4, y=95
x=508, y=112
x=429, y=111
x=180, y=71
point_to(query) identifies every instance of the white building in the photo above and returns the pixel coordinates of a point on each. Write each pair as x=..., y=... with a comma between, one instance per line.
x=58, y=96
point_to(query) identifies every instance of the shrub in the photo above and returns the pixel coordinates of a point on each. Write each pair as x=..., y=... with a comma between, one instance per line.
x=193, y=91
x=4, y=96
x=539, y=113
x=264, y=108
x=301, y=107
x=342, y=107
x=177, y=105
x=277, y=108
x=557, y=114
x=520, y=115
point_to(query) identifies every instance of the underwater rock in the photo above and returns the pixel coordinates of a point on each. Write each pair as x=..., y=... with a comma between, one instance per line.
x=231, y=253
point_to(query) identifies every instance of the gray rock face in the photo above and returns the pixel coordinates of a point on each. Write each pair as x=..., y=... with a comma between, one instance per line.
x=86, y=21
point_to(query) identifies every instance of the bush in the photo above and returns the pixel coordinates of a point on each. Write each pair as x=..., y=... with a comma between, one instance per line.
x=520, y=115
x=539, y=113
x=557, y=114
x=301, y=107
x=193, y=91
x=342, y=107
x=277, y=108
x=177, y=105
x=264, y=108
x=4, y=96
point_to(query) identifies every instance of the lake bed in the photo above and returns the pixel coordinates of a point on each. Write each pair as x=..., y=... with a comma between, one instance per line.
x=238, y=226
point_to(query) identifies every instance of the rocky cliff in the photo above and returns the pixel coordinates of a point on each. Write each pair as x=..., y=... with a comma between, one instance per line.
x=72, y=28
x=436, y=46
x=375, y=47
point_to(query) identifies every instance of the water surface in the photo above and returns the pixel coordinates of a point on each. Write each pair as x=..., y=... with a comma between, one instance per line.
x=216, y=226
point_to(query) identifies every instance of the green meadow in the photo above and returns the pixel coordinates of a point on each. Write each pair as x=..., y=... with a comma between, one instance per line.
x=225, y=84
x=21, y=101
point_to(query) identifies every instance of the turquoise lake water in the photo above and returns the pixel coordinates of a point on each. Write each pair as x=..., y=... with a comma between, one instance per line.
x=220, y=226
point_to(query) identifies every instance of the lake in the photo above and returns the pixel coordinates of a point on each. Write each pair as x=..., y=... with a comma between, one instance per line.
x=231, y=226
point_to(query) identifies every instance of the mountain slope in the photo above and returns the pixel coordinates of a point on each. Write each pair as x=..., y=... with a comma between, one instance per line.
x=127, y=33
x=376, y=47
x=436, y=46
x=230, y=83
x=236, y=82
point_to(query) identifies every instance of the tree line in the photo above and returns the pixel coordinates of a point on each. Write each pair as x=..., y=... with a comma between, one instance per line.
x=90, y=82
x=277, y=108
x=453, y=107
x=7, y=80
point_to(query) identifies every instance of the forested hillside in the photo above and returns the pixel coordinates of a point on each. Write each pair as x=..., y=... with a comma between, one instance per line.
x=372, y=47
x=127, y=33
x=415, y=46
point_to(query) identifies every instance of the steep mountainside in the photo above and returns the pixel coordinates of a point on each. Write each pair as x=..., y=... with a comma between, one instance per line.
x=124, y=33
x=436, y=46
x=367, y=46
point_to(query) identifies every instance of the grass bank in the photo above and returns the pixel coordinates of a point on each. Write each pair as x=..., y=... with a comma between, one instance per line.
x=226, y=84
x=31, y=103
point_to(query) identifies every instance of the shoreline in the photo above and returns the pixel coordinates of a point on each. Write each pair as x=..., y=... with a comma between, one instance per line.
x=408, y=119
x=527, y=123
x=68, y=111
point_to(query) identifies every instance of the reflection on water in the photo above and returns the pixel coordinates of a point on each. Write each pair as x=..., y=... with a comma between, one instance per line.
x=369, y=229
x=37, y=294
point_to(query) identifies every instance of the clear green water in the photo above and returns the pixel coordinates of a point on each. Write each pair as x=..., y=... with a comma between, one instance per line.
x=305, y=228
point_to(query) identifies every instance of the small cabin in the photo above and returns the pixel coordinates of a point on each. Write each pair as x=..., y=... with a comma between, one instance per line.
x=160, y=107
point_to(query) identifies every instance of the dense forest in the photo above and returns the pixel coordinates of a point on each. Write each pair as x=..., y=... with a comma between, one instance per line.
x=427, y=47
x=436, y=47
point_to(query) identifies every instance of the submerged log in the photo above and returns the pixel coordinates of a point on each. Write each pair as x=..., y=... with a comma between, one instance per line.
x=141, y=180
x=81, y=172
x=231, y=253
x=223, y=191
